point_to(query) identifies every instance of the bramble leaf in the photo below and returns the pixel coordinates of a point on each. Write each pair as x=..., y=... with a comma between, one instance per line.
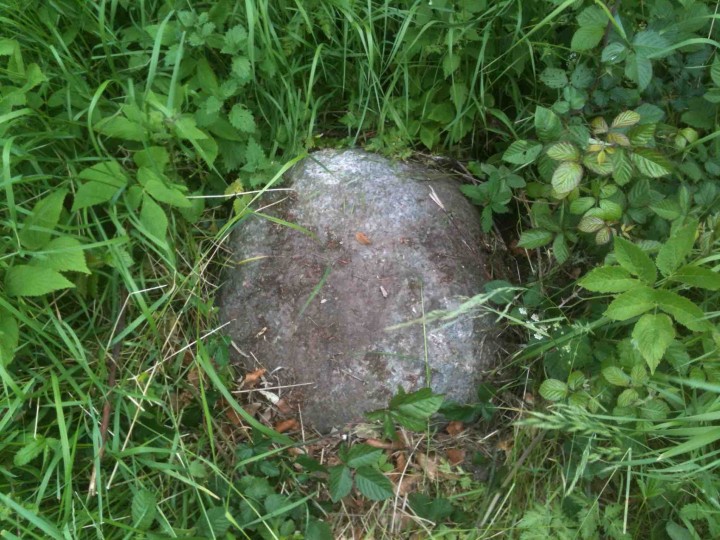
x=653, y=334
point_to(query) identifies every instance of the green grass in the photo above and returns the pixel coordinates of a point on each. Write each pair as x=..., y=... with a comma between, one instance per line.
x=135, y=135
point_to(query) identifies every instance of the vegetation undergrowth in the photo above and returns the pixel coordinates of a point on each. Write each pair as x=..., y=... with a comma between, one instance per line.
x=134, y=135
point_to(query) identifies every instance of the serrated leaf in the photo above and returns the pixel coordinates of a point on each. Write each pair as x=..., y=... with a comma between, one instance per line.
x=339, y=482
x=39, y=226
x=697, y=276
x=535, y=238
x=65, y=254
x=450, y=64
x=373, y=484
x=608, y=279
x=654, y=409
x=26, y=280
x=563, y=151
x=650, y=162
x=598, y=163
x=153, y=218
x=560, y=249
x=673, y=253
x=553, y=390
x=420, y=404
x=639, y=70
x=633, y=259
x=650, y=44
x=522, y=152
x=120, y=127
x=591, y=224
x=554, y=77
x=155, y=186
x=586, y=38
x=682, y=310
x=603, y=236
x=618, y=139
x=242, y=119
x=144, y=507
x=622, y=167
x=616, y=376
x=613, y=53
x=667, y=209
x=625, y=119
x=213, y=523
x=715, y=71
x=242, y=69
x=32, y=449
x=235, y=39
x=362, y=454
x=642, y=135
x=599, y=126
x=581, y=205
x=104, y=180
x=627, y=397
x=567, y=177
x=653, y=333
x=547, y=124
x=631, y=304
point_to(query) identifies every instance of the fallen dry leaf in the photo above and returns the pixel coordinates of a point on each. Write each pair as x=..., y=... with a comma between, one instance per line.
x=283, y=407
x=407, y=483
x=455, y=427
x=455, y=456
x=377, y=443
x=286, y=425
x=252, y=378
x=362, y=238
x=428, y=464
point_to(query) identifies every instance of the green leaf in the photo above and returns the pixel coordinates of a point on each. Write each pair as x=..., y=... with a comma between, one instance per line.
x=39, y=226
x=104, y=180
x=553, y=390
x=697, y=276
x=667, y=209
x=153, y=218
x=9, y=337
x=554, y=77
x=627, y=397
x=450, y=64
x=318, y=530
x=65, y=254
x=25, y=280
x=672, y=253
x=608, y=279
x=144, y=507
x=715, y=71
x=650, y=162
x=631, y=304
x=421, y=404
x=639, y=70
x=339, y=482
x=155, y=186
x=616, y=376
x=153, y=157
x=373, y=484
x=214, y=522
x=560, y=248
x=650, y=44
x=625, y=119
x=642, y=134
x=587, y=37
x=362, y=454
x=241, y=69
x=633, y=259
x=653, y=334
x=567, y=177
x=581, y=205
x=622, y=167
x=591, y=224
x=121, y=128
x=242, y=119
x=547, y=124
x=682, y=310
x=235, y=39
x=563, y=151
x=614, y=53
x=535, y=238
x=32, y=449
x=522, y=152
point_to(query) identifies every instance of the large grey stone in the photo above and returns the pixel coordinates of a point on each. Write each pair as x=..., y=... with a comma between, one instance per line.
x=319, y=306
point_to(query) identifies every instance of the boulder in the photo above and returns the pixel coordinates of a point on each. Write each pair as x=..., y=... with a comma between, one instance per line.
x=370, y=248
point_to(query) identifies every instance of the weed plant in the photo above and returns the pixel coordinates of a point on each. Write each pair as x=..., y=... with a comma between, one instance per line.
x=134, y=135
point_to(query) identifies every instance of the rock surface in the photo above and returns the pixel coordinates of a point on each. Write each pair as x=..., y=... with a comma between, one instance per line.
x=381, y=252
